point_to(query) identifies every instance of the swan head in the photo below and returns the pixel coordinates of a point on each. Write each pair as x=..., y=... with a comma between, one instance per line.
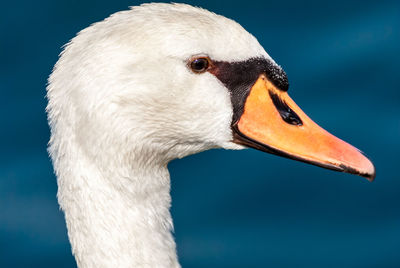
x=162, y=81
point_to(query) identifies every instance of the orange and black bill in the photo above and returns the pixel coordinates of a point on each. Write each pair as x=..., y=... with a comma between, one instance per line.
x=271, y=121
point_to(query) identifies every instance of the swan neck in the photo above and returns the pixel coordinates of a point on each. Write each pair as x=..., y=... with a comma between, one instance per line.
x=118, y=218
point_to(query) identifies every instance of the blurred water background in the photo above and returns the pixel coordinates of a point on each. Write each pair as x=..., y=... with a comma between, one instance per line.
x=342, y=58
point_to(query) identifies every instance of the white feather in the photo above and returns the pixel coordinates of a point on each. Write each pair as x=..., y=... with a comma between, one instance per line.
x=122, y=104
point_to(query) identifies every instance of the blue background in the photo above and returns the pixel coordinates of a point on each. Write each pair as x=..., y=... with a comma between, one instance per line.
x=230, y=208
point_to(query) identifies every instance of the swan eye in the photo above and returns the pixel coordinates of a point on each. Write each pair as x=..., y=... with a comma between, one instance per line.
x=199, y=65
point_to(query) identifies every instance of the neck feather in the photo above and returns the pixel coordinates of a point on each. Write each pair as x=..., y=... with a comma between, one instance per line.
x=119, y=217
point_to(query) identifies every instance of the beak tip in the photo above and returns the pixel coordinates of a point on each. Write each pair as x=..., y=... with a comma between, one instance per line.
x=368, y=171
x=370, y=176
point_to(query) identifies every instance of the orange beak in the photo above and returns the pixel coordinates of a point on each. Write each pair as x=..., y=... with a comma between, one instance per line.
x=272, y=122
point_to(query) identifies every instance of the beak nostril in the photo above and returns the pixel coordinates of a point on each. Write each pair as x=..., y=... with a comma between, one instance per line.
x=287, y=114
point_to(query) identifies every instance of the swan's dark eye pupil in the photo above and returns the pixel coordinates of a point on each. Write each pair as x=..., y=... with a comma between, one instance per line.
x=199, y=65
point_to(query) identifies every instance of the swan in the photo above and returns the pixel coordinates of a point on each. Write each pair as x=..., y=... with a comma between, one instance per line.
x=155, y=83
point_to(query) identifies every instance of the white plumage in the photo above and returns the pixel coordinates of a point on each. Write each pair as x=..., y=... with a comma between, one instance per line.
x=122, y=104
